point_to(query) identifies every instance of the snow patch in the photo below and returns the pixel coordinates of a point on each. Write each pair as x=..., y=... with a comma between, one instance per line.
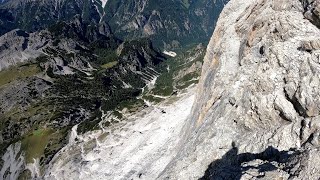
x=170, y=53
x=104, y=2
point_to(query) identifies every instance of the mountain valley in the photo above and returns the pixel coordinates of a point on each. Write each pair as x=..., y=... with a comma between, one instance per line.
x=175, y=89
x=67, y=64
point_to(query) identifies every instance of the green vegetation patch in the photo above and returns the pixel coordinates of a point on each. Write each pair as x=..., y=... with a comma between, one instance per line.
x=132, y=105
x=188, y=77
x=15, y=73
x=109, y=65
x=163, y=90
x=187, y=84
x=105, y=56
x=35, y=143
x=167, y=83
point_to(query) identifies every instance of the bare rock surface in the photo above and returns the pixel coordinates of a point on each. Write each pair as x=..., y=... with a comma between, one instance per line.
x=17, y=46
x=139, y=147
x=256, y=114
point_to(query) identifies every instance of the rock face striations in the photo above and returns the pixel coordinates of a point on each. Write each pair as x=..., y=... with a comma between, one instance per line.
x=256, y=114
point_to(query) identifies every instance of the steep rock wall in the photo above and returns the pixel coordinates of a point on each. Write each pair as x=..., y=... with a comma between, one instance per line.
x=256, y=113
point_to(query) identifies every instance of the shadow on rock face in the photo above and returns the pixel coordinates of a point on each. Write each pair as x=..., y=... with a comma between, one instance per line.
x=233, y=165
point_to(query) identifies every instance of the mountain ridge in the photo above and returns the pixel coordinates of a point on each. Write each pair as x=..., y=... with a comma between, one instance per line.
x=169, y=24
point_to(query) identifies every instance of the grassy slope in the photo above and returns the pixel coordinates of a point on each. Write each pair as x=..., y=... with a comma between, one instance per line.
x=109, y=65
x=168, y=83
x=35, y=143
x=17, y=72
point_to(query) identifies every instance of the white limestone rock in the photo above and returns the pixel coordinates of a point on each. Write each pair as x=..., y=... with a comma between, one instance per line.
x=258, y=98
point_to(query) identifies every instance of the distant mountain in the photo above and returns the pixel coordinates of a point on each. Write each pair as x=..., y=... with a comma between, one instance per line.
x=37, y=15
x=168, y=23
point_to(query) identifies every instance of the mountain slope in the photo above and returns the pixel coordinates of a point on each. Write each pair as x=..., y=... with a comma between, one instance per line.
x=170, y=23
x=256, y=114
x=63, y=74
x=66, y=64
x=37, y=15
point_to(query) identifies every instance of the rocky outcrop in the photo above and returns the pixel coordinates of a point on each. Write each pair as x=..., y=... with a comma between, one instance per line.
x=256, y=113
x=15, y=47
x=19, y=47
x=13, y=162
x=62, y=43
x=312, y=11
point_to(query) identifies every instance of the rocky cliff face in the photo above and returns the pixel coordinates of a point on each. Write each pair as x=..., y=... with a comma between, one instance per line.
x=256, y=114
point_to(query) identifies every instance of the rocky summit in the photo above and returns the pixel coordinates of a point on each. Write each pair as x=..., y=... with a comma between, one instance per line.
x=114, y=89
